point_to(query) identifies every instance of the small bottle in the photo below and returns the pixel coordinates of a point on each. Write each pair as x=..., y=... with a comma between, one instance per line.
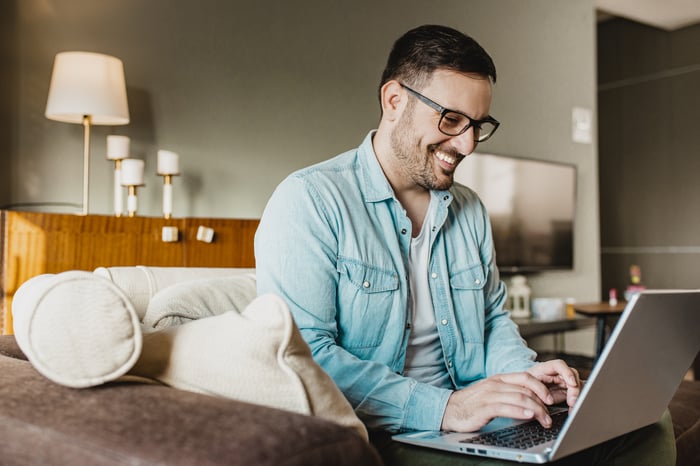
x=570, y=311
x=612, y=299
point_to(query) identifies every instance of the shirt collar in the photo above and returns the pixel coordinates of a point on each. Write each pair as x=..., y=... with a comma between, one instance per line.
x=375, y=186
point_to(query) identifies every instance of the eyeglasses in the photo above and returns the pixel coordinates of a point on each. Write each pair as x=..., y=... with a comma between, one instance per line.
x=454, y=123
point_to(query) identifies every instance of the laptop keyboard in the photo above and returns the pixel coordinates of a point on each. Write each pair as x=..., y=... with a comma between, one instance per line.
x=522, y=436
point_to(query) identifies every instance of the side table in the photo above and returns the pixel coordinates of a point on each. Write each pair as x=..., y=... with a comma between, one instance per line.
x=601, y=311
x=530, y=327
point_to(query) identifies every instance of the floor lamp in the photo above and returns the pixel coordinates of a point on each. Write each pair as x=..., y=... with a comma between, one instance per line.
x=89, y=89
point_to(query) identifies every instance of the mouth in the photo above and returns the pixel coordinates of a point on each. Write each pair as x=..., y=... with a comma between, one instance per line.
x=447, y=160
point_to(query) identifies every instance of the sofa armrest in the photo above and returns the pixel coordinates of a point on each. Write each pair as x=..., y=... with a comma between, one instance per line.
x=10, y=349
x=136, y=423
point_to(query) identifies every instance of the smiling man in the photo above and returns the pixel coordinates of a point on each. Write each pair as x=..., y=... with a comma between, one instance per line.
x=389, y=269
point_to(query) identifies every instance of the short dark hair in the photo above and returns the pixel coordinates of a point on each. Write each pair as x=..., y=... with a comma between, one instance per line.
x=422, y=50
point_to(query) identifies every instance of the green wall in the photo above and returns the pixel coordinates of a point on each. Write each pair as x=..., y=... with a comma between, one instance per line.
x=246, y=92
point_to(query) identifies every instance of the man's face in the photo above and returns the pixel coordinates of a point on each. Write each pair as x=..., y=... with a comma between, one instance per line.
x=427, y=157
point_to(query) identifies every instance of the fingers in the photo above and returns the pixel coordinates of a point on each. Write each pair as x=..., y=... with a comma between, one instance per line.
x=529, y=382
x=556, y=371
x=509, y=395
x=534, y=395
x=563, y=382
x=520, y=395
x=573, y=392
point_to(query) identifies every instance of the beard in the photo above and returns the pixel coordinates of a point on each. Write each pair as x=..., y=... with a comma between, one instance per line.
x=417, y=163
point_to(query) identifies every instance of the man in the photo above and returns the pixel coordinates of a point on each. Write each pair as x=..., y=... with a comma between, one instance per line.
x=389, y=269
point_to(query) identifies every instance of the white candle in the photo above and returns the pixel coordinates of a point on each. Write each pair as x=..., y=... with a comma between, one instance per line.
x=132, y=172
x=132, y=202
x=168, y=163
x=167, y=200
x=117, y=147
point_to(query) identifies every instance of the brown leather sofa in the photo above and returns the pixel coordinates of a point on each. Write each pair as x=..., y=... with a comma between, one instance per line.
x=685, y=412
x=136, y=423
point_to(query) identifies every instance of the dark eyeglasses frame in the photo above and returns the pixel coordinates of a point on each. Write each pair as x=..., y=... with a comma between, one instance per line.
x=443, y=111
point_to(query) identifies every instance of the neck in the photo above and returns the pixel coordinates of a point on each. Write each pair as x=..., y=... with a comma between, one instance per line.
x=416, y=205
x=413, y=198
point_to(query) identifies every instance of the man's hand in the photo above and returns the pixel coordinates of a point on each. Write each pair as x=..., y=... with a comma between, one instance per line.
x=522, y=395
x=562, y=381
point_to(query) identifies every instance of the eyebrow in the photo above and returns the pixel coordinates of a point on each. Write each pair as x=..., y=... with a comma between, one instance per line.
x=436, y=106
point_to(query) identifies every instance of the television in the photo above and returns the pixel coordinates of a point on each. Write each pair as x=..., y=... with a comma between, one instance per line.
x=531, y=204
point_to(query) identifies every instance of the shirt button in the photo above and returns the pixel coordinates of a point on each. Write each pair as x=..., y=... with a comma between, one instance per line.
x=443, y=321
x=445, y=198
x=434, y=275
x=365, y=284
x=403, y=231
x=449, y=363
x=477, y=281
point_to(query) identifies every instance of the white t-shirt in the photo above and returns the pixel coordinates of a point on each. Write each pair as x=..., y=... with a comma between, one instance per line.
x=425, y=361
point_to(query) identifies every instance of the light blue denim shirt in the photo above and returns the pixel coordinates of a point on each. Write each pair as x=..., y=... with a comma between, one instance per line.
x=334, y=243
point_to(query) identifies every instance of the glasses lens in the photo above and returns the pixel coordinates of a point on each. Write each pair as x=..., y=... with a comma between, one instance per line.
x=485, y=131
x=453, y=123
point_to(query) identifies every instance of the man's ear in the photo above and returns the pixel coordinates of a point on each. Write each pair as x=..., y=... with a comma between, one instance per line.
x=393, y=100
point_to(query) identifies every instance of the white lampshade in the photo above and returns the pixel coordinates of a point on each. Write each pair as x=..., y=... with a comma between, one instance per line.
x=85, y=83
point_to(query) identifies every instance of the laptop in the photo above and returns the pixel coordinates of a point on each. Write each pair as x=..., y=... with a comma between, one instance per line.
x=643, y=363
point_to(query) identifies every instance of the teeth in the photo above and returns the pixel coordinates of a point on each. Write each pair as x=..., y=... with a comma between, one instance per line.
x=445, y=157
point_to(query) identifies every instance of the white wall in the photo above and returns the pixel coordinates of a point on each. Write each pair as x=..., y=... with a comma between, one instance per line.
x=246, y=92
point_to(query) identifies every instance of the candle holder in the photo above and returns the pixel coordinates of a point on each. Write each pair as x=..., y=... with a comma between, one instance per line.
x=132, y=178
x=132, y=200
x=168, y=166
x=168, y=194
x=118, y=150
x=118, y=195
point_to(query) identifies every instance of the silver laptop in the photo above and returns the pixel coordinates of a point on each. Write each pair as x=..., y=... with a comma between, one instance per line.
x=639, y=370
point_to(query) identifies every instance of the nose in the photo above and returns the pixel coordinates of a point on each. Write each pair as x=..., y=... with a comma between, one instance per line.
x=464, y=143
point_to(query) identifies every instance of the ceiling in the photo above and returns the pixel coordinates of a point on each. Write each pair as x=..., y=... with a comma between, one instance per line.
x=663, y=14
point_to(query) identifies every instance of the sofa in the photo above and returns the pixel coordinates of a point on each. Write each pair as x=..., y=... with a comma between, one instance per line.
x=148, y=418
x=277, y=410
x=685, y=412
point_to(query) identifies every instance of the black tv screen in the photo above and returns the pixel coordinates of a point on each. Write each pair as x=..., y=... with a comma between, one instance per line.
x=531, y=204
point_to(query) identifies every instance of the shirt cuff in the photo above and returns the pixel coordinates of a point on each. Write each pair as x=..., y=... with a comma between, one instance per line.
x=426, y=407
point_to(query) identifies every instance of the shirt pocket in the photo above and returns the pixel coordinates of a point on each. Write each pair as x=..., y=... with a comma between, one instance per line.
x=467, y=286
x=471, y=277
x=366, y=296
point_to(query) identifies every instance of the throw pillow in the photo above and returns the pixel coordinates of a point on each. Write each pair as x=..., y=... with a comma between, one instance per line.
x=76, y=328
x=257, y=356
x=196, y=299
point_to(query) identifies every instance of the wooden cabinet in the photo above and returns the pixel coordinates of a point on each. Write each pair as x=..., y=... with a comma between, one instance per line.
x=32, y=243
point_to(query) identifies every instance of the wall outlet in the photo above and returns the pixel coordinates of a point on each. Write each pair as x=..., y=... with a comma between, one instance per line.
x=582, y=125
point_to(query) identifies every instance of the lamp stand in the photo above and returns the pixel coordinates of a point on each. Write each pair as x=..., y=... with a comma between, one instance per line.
x=87, y=121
